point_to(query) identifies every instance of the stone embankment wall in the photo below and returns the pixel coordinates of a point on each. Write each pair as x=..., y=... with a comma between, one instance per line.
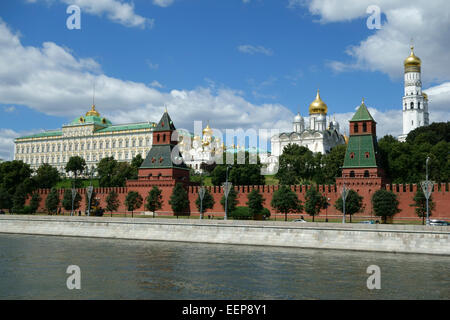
x=382, y=238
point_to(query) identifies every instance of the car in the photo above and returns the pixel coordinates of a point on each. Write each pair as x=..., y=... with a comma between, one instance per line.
x=439, y=223
x=367, y=222
x=300, y=220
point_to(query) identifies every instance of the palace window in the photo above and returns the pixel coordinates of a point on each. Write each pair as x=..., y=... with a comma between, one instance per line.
x=126, y=143
x=107, y=144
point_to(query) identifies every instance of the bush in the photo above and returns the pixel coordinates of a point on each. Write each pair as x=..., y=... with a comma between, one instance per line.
x=241, y=213
x=26, y=210
x=266, y=213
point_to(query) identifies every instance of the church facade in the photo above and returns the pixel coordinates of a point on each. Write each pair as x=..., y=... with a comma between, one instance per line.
x=319, y=136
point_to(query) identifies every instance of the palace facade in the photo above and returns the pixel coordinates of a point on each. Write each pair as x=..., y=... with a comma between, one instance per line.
x=91, y=137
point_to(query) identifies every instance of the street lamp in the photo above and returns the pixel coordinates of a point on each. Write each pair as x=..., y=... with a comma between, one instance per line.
x=226, y=189
x=326, y=209
x=344, y=193
x=90, y=189
x=427, y=187
x=201, y=194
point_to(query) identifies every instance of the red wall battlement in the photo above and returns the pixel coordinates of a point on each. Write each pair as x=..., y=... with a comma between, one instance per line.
x=405, y=194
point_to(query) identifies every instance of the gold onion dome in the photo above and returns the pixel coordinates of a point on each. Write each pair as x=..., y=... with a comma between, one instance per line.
x=413, y=60
x=207, y=131
x=425, y=96
x=92, y=112
x=318, y=106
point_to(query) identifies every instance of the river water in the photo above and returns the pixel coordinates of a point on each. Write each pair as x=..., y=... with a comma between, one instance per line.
x=34, y=267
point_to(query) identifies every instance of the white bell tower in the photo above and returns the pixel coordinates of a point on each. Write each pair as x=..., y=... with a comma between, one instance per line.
x=415, y=102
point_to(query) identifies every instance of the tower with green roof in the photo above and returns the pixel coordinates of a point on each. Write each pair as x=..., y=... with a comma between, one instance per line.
x=360, y=163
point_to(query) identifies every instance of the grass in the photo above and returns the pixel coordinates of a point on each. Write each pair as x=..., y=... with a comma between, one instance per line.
x=67, y=183
x=272, y=181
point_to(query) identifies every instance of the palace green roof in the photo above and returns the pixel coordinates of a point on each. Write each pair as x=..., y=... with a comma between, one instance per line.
x=43, y=134
x=134, y=126
x=360, y=146
x=91, y=120
x=362, y=114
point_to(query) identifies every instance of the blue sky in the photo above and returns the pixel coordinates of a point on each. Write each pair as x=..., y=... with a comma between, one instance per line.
x=236, y=63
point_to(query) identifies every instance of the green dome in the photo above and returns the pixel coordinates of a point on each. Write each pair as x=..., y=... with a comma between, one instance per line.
x=91, y=117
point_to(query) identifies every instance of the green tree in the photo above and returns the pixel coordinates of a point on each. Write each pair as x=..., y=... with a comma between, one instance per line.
x=135, y=165
x=46, y=176
x=154, y=200
x=13, y=174
x=232, y=201
x=314, y=202
x=179, y=200
x=133, y=201
x=353, y=203
x=5, y=199
x=241, y=213
x=255, y=202
x=285, y=200
x=332, y=164
x=76, y=165
x=67, y=200
x=112, y=201
x=106, y=170
x=298, y=164
x=52, y=201
x=208, y=202
x=420, y=204
x=34, y=202
x=19, y=198
x=123, y=172
x=385, y=204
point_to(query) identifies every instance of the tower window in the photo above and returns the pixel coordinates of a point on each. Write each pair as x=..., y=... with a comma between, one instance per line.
x=352, y=174
x=355, y=128
x=364, y=127
x=418, y=105
x=412, y=122
x=412, y=105
x=366, y=174
x=367, y=155
x=352, y=155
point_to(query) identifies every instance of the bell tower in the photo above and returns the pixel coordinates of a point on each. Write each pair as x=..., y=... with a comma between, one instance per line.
x=415, y=102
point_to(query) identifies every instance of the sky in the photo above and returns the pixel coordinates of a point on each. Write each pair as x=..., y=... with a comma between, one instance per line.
x=235, y=63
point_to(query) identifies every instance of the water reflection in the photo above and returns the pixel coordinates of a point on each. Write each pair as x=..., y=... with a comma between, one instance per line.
x=33, y=267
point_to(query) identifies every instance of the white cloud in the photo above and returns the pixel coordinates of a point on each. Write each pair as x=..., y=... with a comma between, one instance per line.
x=156, y=84
x=249, y=49
x=51, y=80
x=117, y=11
x=163, y=3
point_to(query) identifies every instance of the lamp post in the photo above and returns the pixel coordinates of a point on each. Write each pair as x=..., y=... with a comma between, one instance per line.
x=226, y=189
x=427, y=187
x=74, y=194
x=344, y=193
x=90, y=189
x=201, y=194
x=326, y=210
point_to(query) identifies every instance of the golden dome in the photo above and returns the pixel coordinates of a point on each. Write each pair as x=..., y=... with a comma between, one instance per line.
x=207, y=131
x=346, y=139
x=92, y=112
x=425, y=96
x=318, y=106
x=412, y=60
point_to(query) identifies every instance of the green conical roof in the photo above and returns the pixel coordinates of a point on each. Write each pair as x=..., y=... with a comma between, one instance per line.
x=165, y=124
x=362, y=114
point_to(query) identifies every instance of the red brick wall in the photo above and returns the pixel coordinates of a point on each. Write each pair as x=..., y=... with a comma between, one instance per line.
x=405, y=193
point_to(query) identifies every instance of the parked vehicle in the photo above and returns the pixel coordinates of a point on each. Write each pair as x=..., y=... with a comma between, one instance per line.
x=300, y=220
x=439, y=223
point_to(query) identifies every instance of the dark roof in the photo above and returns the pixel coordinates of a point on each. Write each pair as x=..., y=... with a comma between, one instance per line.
x=165, y=124
x=160, y=156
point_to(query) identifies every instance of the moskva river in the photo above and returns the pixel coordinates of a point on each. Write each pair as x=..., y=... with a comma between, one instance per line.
x=34, y=267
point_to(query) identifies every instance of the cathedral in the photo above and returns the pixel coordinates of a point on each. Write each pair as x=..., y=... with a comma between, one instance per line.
x=318, y=137
x=415, y=102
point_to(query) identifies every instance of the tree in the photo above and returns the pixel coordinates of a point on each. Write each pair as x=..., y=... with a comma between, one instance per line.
x=76, y=165
x=133, y=201
x=154, y=200
x=112, y=201
x=385, y=204
x=314, y=202
x=19, y=198
x=135, y=165
x=255, y=202
x=297, y=164
x=353, y=203
x=232, y=201
x=332, y=164
x=5, y=199
x=13, y=174
x=285, y=200
x=179, y=200
x=208, y=202
x=52, y=201
x=106, y=169
x=123, y=172
x=46, y=176
x=67, y=200
x=34, y=202
x=420, y=204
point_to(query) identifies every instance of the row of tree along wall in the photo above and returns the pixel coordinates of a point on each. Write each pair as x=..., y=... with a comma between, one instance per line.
x=405, y=195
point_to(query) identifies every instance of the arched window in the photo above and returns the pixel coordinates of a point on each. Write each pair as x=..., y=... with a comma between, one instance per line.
x=412, y=105
x=157, y=138
x=366, y=174
x=364, y=127
x=355, y=128
x=352, y=174
x=418, y=105
x=164, y=137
